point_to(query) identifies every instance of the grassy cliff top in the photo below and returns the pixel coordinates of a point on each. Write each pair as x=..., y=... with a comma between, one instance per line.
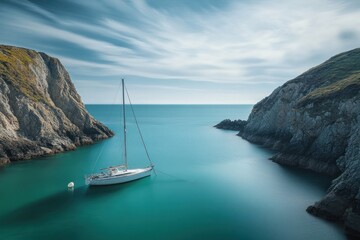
x=335, y=69
x=338, y=77
x=15, y=69
x=345, y=87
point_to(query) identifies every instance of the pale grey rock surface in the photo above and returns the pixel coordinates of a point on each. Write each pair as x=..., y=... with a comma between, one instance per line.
x=40, y=111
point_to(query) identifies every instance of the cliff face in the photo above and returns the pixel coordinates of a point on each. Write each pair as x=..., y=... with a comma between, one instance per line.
x=313, y=121
x=40, y=110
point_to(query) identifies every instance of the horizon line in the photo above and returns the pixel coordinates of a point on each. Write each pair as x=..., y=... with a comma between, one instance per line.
x=171, y=104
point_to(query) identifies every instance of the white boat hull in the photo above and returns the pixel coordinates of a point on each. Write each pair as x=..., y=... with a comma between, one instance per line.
x=121, y=177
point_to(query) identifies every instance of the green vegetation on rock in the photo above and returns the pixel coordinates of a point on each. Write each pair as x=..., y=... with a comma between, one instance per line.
x=347, y=87
x=40, y=111
x=15, y=68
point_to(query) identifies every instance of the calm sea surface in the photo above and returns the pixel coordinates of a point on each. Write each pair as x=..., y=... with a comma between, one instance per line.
x=210, y=184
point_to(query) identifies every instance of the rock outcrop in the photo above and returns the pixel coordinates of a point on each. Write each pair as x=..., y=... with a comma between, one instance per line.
x=235, y=125
x=40, y=110
x=313, y=121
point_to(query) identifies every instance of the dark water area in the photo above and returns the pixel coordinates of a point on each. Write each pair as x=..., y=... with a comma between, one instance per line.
x=210, y=184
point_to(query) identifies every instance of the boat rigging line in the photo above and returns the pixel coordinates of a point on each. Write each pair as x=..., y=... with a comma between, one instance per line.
x=139, y=130
x=102, y=146
x=173, y=176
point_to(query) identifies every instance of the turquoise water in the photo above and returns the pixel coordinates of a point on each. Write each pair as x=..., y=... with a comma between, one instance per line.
x=210, y=184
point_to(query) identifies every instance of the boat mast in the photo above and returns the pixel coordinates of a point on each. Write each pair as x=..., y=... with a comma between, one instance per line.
x=124, y=120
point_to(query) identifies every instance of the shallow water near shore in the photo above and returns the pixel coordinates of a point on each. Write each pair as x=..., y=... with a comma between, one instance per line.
x=210, y=184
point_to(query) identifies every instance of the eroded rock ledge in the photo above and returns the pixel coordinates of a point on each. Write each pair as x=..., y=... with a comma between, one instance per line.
x=40, y=111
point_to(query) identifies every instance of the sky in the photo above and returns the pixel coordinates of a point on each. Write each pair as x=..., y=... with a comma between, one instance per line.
x=182, y=51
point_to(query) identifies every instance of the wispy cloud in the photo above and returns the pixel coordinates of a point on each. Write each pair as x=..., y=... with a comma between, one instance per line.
x=249, y=42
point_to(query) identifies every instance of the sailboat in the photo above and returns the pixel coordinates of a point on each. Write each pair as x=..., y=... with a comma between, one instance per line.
x=121, y=173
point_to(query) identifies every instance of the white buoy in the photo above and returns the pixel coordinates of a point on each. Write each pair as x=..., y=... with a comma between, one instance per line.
x=71, y=185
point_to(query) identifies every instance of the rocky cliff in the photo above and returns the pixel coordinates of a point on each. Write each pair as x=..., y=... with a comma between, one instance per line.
x=40, y=110
x=313, y=121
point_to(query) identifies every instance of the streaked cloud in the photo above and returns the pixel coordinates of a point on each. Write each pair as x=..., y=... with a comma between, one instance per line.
x=224, y=45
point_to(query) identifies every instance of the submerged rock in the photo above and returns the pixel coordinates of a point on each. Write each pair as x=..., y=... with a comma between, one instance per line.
x=313, y=121
x=40, y=111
